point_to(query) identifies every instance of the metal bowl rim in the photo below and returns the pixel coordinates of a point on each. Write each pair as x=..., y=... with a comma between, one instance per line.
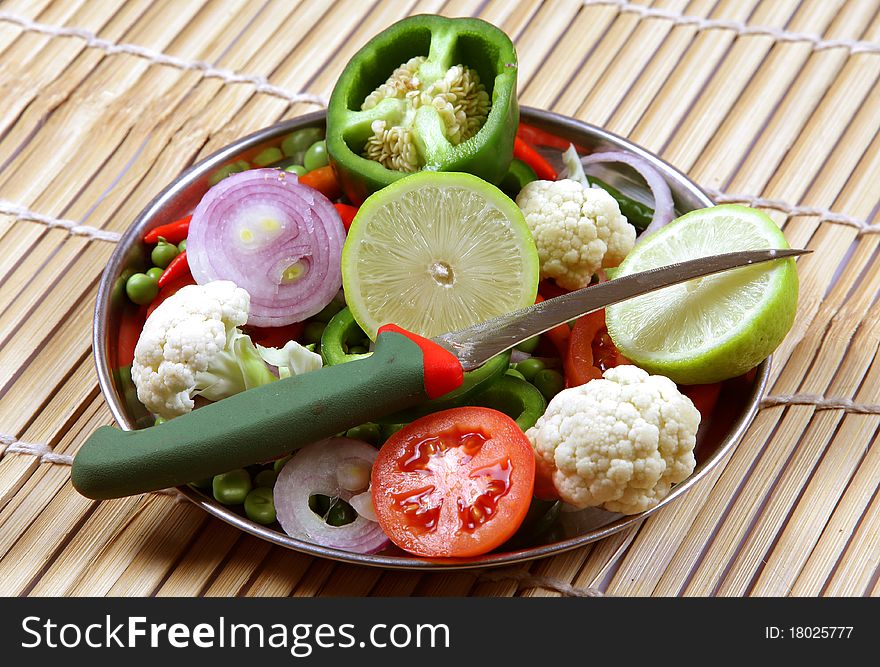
x=532, y=115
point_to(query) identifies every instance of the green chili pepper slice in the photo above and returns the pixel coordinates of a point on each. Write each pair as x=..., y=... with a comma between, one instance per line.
x=514, y=397
x=517, y=177
x=341, y=329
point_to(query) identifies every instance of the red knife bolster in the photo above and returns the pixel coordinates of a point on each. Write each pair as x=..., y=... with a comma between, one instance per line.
x=442, y=370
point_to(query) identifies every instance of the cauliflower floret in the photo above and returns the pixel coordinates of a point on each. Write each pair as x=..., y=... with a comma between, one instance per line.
x=191, y=345
x=180, y=339
x=619, y=443
x=577, y=230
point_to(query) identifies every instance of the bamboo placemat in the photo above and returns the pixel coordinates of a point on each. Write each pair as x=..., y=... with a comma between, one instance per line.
x=774, y=104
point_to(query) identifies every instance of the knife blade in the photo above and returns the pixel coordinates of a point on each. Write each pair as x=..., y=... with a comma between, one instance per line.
x=475, y=345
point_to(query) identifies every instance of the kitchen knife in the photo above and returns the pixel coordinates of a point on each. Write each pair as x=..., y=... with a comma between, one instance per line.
x=270, y=421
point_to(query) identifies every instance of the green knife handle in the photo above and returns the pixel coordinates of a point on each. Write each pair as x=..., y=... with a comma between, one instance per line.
x=266, y=422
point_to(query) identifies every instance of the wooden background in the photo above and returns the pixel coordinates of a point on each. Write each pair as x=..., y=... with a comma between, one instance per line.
x=772, y=103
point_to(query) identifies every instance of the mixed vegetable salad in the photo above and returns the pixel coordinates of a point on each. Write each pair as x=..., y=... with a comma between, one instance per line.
x=426, y=203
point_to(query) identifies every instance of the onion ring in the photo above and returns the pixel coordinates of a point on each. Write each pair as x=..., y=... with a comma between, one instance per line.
x=276, y=238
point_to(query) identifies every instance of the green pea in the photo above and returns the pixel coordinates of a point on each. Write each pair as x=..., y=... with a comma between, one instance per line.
x=313, y=331
x=259, y=505
x=515, y=373
x=163, y=253
x=528, y=346
x=340, y=513
x=231, y=488
x=155, y=273
x=549, y=382
x=366, y=432
x=268, y=156
x=241, y=165
x=265, y=478
x=279, y=464
x=296, y=144
x=316, y=157
x=159, y=420
x=141, y=288
x=222, y=173
x=357, y=349
x=182, y=245
x=297, y=169
x=528, y=368
x=319, y=504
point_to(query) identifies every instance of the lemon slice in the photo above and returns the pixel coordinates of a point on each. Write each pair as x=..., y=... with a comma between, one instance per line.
x=435, y=252
x=711, y=328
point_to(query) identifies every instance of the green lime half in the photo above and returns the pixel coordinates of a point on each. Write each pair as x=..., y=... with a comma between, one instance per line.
x=712, y=328
x=435, y=252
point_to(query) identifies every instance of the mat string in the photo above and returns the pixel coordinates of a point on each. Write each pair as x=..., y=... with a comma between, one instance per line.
x=822, y=403
x=825, y=215
x=21, y=213
x=207, y=70
x=818, y=42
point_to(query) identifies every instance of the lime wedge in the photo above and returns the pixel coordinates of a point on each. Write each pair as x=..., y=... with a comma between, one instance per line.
x=435, y=252
x=712, y=328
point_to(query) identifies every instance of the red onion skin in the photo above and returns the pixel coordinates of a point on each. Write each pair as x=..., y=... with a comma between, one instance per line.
x=664, y=207
x=311, y=235
x=313, y=470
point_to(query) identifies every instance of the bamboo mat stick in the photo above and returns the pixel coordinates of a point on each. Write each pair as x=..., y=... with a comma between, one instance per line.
x=319, y=573
x=686, y=80
x=856, y=571
x=726, y=87
x=608, y=42
x=52, y=425
x=34, y=61
x=555, y=73
x=28, y=8
x=622, y=118
x=622, y=71
x=396, y=584
x=813, y=510
x=196, y=569
x=150, y=552
x=40, y=487
x=279, y=573
x=552, y=18
x=94, y=534
x=247, y=554
x=351, y=580
x=758, y=103
x=847, y=517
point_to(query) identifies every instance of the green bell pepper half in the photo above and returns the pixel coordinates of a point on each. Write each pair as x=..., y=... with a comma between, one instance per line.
x=445, y=42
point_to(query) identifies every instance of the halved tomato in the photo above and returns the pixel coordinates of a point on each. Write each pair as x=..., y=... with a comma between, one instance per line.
x=454, y=483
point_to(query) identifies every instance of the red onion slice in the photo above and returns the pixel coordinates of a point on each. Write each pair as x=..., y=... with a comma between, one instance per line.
x=313, y=469
x=664, y=208
x=272, y=236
